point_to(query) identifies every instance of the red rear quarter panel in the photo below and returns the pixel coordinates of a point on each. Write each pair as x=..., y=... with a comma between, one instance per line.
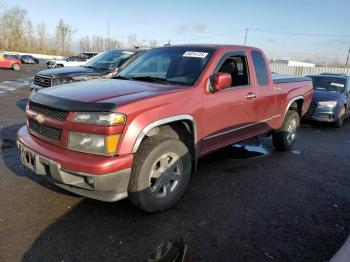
x=286, y=93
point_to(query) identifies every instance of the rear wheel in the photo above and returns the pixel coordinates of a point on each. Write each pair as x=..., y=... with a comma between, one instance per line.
x=16, y=67
x=284, y=138
x=160, y=175
x=341, y=118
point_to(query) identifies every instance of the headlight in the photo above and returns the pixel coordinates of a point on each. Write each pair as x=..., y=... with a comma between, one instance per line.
x=103, y=119
x=329, y=104
x=92, y=143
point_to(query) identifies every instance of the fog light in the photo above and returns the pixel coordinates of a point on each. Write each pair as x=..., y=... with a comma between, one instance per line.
x=89, y=180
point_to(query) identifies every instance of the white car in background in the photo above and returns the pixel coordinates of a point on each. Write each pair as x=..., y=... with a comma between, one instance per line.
x=76, y=60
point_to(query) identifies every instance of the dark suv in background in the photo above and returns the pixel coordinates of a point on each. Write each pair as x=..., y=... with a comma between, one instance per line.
x=29, y=59
x=106, y=65
x=331, y=98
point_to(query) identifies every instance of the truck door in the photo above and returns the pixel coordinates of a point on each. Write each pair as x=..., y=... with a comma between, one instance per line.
x=265, y=95
x=228, y=114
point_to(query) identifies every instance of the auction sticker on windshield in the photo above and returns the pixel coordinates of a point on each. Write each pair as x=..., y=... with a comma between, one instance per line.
x=195, y=54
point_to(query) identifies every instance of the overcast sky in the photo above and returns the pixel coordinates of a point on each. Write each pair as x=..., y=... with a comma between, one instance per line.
x=185, y=21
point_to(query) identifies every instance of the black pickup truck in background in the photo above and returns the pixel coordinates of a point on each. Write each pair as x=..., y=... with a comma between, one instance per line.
x=106, y=65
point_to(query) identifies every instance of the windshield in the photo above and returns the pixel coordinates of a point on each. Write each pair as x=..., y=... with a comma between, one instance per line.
x=10, y=56
x=175, y=65
x=328, y=83
x=109, y=59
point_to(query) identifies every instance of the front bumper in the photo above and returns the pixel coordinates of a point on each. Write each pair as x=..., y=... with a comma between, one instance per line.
x=105, y=178
x=322, y=114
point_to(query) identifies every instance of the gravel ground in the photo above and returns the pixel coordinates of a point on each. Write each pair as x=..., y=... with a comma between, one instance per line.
x=256, y=205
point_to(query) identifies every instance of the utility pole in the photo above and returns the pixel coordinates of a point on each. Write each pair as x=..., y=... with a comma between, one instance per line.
x=347, y=59
x=246, y=36
x=108, y=28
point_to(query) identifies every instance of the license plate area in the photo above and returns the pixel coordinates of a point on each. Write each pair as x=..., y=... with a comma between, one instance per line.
x=28, y=158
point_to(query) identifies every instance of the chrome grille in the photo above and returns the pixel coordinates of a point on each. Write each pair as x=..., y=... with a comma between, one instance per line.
x=43, y=81
x=49, y=112
x=49, y=132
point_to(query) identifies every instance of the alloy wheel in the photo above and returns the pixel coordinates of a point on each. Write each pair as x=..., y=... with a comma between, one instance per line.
x=165, y=175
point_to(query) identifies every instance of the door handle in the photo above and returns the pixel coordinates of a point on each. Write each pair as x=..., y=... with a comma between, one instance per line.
x=250, y=96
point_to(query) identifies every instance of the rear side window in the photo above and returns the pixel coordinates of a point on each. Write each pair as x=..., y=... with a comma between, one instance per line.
x=260, y=68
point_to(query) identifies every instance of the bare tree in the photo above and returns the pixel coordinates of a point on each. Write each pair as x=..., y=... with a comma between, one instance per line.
x=29, y=39
x=42, y=38
x=132, y=40
x=19, y=34
x=153, y=43
x=85, y=45
x=2, y=27
x=64, y=33
x=13, y=27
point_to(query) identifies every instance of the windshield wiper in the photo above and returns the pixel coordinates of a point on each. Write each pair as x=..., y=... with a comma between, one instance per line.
x=151, y=78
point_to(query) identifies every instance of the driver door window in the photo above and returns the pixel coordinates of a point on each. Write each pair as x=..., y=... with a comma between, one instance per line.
x=237, y=67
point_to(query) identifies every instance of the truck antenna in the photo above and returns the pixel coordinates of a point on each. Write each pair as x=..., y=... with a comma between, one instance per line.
x=246, y=36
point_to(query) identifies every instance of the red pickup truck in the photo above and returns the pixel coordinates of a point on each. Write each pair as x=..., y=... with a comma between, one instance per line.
x=140, y=135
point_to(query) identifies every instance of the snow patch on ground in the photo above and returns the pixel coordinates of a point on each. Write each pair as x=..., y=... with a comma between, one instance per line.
x=11, y=85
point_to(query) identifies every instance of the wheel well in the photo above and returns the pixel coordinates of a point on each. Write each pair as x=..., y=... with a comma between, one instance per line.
x=182, y=130
x=297, y=106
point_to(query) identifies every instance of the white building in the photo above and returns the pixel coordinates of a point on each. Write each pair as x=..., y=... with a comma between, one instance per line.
x=292, y=63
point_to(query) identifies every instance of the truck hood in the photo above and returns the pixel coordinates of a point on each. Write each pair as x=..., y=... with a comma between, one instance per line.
x=114, y=91
x=69, y=72
x=320, y=95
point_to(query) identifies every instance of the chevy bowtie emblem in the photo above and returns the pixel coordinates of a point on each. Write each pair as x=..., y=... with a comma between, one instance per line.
x=40, y=119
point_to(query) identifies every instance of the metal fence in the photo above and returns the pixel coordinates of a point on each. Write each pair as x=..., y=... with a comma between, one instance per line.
x=302, y=71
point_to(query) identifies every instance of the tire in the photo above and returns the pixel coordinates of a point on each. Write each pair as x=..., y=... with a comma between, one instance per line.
x=284, y=138
x=340, y=121
x=16, y=67
x=152, y=189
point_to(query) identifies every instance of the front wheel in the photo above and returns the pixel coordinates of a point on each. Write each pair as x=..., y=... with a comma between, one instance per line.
x=340, y=121
x=284, y=138
x=160, y=175
x=16, y=67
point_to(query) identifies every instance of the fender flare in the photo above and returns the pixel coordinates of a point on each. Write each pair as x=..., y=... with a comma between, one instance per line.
x=291, y=102
x=163, y=121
